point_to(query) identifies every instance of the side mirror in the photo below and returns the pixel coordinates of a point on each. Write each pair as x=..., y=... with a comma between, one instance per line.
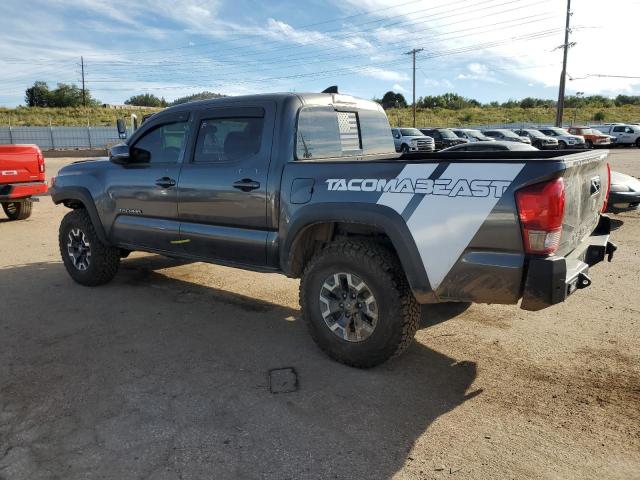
x=119, y=154
x=122, y=129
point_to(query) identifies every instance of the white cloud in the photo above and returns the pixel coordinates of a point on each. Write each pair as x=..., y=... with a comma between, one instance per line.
x=382, y=74
x=479, y=72
x=399, y=88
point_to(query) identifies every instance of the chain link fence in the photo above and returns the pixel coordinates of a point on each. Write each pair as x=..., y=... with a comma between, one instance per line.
x=61, y=138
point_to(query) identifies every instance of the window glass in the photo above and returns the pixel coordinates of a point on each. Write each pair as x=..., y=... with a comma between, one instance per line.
x=618, y=129
x=374, y=128
x=411, y=132
x=447, y=134
x=162, y=144
x=325, y=133
x=228, y=139
x=628, y=130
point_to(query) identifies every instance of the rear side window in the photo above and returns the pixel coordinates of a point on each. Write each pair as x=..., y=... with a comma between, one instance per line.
x=326, y=133
x=228, y=139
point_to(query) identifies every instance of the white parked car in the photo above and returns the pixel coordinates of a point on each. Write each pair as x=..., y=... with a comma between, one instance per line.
x=409, y=140
x=565, y=139
x=624, y=134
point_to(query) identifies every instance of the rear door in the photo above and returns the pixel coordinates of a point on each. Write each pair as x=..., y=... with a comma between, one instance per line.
x=223, y=184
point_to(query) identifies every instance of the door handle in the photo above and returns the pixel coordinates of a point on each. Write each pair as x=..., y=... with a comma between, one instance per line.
x=165, y=182
x=246, y=184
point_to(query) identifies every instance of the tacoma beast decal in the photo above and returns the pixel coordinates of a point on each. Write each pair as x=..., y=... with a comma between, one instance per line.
x=444, y=221
x=442, y=186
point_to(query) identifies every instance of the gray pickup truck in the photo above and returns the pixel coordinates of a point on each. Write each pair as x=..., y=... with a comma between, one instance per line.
x=310, y=185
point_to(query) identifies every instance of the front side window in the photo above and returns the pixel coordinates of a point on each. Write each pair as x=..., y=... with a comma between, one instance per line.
x=162, y=144
x=228, y=139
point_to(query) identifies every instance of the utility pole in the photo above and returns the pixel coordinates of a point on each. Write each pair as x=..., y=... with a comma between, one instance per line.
x=413, y=52
x=84, y=96
x=563, y=75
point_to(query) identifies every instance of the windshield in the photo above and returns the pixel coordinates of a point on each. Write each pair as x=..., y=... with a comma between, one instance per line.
x=411, y=132
x=477, y=134
x=555, y=131
x=586, y=131
x=447, y=133
x=509, y=134
x=535, y=133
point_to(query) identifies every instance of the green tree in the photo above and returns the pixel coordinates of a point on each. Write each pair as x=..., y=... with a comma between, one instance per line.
x=146, y=100
x=37, y=95
x=392, y=100
x=599, y=116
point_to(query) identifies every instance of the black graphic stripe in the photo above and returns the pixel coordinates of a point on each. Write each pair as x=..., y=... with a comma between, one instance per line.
x=417, y=198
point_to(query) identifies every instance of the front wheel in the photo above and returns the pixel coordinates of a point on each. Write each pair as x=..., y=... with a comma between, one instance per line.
x=87, y=260
x=405, y=148
x=638, y=143
x=18, y=210
x=357, y=303
x=589, y=144
x=562, y=145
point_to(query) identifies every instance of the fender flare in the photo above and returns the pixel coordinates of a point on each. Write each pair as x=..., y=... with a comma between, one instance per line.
x=379, y=216
x=59, y=195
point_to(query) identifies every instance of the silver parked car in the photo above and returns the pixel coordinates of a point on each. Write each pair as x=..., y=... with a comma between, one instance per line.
x=505, y=135
x=497, y=146
x=409, y=140
x=538, y=139
x=472, y=135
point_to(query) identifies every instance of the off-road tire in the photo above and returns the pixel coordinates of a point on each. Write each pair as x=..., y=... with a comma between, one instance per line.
x=398, y=310
x=18, y=210
x=105, y=260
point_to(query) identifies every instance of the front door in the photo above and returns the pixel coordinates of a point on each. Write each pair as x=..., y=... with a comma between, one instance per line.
x=222, y=193
x=144, y=191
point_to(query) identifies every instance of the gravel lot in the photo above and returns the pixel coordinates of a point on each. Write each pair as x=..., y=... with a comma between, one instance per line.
x=163, y=374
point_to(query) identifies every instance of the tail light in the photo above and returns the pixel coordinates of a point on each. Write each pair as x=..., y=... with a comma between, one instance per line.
x=606, y=198
x=40, y=161
x=541, y=211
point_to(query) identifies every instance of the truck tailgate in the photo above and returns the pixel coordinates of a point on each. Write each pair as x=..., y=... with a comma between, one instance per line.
x=586, y=180
x=21, y=163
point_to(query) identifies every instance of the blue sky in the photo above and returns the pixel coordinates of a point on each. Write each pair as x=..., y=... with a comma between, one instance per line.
x=485, y=49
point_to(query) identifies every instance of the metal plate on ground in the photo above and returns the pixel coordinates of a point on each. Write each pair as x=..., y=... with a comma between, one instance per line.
x=283, y=380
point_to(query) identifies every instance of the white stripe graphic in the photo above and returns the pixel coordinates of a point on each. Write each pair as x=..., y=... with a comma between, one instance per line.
x=442, y=226
x=399, y=201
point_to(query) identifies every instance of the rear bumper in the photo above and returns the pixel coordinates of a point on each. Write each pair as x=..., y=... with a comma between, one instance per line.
x=19, y=191
x=551, y=280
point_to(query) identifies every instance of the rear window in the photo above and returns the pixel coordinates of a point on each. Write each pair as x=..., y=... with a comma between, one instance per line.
x=326, y=133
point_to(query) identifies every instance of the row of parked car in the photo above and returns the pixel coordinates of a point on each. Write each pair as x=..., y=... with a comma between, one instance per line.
x=409, y=140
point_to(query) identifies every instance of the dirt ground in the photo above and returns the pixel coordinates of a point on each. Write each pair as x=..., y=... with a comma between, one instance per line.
x=163, y=374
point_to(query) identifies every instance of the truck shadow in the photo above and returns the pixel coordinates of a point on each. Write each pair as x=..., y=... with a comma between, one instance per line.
x=152, y=376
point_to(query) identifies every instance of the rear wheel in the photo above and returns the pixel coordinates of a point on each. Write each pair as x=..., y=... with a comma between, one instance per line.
x=357, y=303
x=17, y=210
x=87, y=260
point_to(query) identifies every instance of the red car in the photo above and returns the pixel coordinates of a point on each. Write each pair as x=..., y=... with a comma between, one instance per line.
x=21, y=177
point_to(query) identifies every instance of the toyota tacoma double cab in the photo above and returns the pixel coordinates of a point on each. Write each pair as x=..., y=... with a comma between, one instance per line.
x=310, y=185
x=21, y=177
